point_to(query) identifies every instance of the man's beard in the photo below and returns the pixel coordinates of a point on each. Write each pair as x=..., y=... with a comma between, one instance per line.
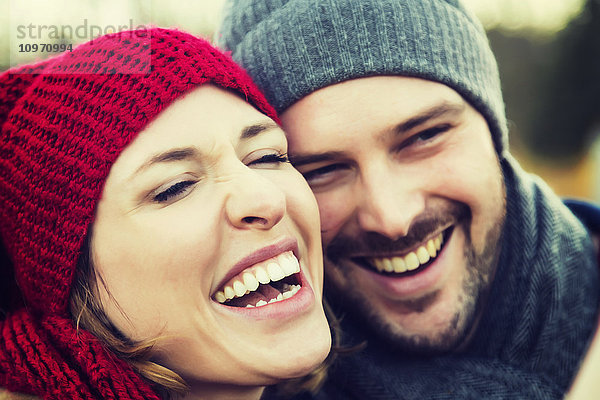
x=480, y=267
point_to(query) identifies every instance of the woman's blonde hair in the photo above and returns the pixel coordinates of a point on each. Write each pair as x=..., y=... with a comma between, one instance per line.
x=88, y=313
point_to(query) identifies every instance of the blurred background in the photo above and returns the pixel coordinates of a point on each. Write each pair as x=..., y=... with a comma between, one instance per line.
x=548, y=52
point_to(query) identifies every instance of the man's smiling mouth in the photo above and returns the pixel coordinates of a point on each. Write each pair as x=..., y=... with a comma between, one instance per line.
x=409, y=263
x=270, y=281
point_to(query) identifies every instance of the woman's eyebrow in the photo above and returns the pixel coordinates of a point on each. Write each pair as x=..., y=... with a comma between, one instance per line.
x=185, y=153
x=251, y=131
x=171, y=155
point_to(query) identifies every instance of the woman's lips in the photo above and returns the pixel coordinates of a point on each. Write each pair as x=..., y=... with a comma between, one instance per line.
x=287, y=308
x=288, y=243
x=269, y=281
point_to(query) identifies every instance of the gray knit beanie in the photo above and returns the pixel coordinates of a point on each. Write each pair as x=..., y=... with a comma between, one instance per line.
x=293, y=47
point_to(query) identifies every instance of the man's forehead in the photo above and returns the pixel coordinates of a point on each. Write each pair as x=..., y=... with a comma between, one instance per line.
x=405, y=94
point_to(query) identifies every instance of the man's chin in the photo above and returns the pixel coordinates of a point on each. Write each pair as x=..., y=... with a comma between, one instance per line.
x=413, y=326
x=412, y=338
x=433, y=322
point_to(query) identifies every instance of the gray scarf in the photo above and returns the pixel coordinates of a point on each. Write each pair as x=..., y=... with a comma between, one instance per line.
x=536, y=326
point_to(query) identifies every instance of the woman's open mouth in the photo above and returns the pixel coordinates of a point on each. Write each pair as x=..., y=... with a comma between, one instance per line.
x=269, y=281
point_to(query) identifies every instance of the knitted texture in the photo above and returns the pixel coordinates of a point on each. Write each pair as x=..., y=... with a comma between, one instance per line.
x=64, y=122
x=293, y=47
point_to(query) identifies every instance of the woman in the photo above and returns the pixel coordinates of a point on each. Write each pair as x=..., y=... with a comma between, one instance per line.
x=161, y=242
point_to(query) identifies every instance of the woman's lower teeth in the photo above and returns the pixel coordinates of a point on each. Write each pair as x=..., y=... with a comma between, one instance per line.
x=288, y=292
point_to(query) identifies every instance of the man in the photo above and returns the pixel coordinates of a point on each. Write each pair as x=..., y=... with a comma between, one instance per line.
x=467, y=277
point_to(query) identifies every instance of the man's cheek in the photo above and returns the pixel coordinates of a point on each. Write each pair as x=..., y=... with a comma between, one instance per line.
x=333, y=217
x=327, y=233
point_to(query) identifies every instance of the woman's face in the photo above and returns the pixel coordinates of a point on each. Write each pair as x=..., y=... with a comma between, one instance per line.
x=201, y=223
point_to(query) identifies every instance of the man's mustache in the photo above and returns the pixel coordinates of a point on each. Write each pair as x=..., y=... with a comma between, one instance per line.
x=431, y=221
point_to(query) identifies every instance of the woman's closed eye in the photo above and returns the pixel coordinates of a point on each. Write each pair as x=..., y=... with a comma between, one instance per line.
x=270, y=158
x=173, y=192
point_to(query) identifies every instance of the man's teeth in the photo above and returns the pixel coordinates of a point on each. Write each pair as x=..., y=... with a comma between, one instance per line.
x=412, y=260
x=273, y=270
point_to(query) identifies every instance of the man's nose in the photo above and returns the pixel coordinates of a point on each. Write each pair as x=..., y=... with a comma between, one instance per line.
x=390, y=201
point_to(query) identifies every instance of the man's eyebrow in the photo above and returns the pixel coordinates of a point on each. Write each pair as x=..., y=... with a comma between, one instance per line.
x=251, y=131
x=304, y=159
x=169, y=156
x=436, y=111
x=429, y=114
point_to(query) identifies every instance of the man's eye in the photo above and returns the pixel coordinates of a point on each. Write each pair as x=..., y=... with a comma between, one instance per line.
x=324, y=175
x=425, y=137
x=430, y=133
x=173, y=192
x=273, y=158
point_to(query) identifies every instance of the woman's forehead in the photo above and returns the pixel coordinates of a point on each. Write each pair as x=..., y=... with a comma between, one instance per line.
x=202, y=125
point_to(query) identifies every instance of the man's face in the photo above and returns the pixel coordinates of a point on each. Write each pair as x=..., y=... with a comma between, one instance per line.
x=412, y=203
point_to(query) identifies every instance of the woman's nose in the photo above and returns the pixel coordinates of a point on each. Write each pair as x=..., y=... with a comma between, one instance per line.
x=255, y=202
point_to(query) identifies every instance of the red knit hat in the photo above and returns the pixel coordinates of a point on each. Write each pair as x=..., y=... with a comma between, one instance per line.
x=64, y=122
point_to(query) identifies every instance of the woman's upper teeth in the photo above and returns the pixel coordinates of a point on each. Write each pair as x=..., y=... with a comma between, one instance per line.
x=412, y=260
x=271, y=270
